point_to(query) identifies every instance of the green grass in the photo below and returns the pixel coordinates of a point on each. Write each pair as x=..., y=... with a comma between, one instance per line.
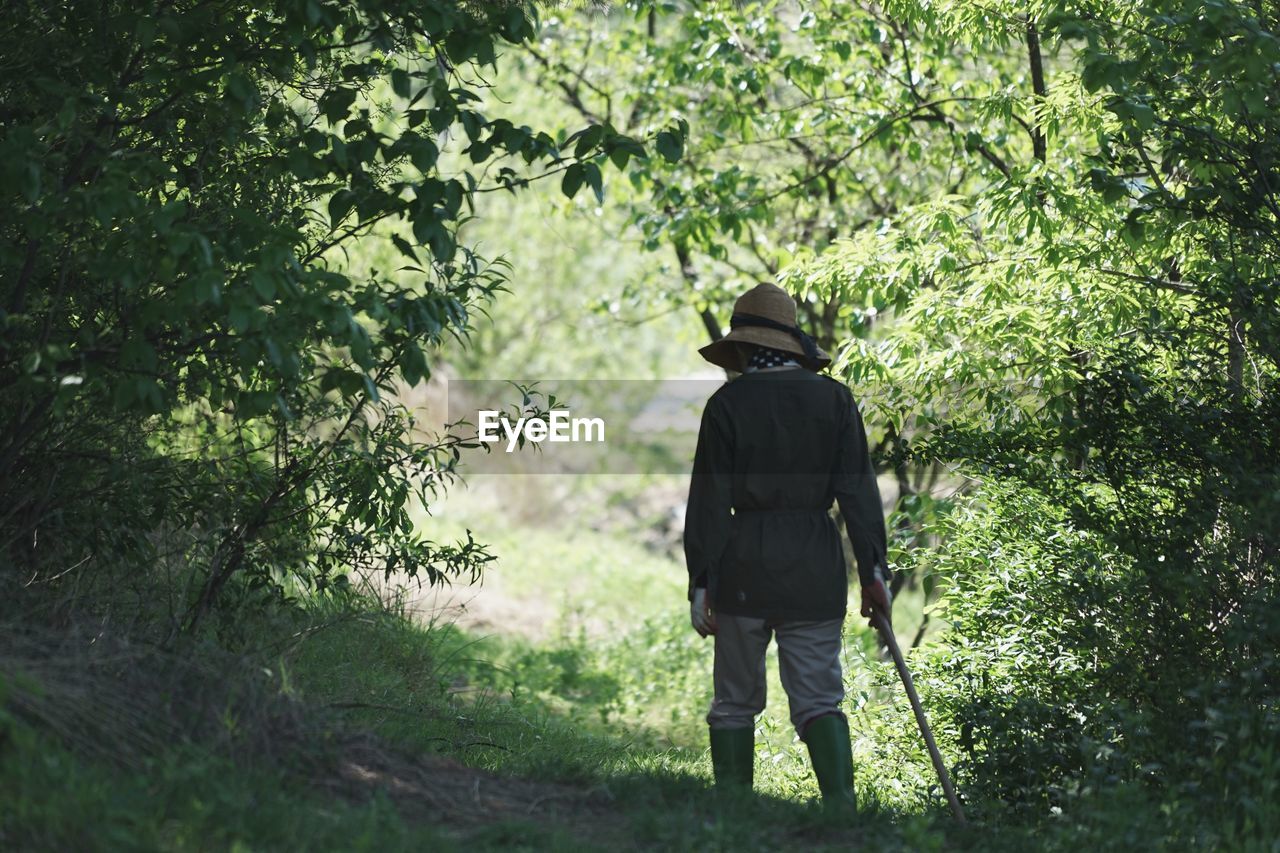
x=605, y=711
x=584, y=550
x=598, y=737
x=609, y=699
x=181, y=799
x=539, y=716
x=560, y=552
x=621, y=664
x=621, y=658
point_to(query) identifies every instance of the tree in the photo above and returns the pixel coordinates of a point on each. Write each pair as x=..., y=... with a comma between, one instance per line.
x=1042, y=238
x=188, y=362
x=813, y=126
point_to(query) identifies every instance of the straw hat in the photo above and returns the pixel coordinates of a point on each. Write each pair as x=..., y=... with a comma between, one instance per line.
x=764, y=316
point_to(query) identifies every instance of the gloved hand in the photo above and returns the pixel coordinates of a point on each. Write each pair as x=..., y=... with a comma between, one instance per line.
x=701, y=614
x=876, y=596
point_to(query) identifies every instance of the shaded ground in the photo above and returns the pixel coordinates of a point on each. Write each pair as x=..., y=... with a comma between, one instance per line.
x=479, y=808
x=125, y=710
x=449, y=795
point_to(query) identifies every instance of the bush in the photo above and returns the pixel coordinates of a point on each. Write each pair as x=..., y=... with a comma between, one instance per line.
x=1060, y=686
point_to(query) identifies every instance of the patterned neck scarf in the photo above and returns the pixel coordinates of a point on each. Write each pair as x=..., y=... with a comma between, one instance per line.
x=764, y=358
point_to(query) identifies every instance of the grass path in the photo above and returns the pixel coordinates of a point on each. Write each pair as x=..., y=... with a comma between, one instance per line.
x=343, y=726
x=545, y=775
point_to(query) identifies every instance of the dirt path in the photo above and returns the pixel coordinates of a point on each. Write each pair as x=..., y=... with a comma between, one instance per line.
x=463, y=800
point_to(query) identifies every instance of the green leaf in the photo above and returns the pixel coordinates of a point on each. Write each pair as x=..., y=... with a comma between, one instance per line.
x=1144, y=115
x=404, y=247
x=400, y=83
x=413, y=364
x=255, y=403
x=240, y=317
x=340, y=204
x=240, y=87
x=572, y=180
x=1098, y=71
x=424, y=154
x=264, y=284
x=591, y=173
x=669, y=145
x=336, y=104
x=588, y=140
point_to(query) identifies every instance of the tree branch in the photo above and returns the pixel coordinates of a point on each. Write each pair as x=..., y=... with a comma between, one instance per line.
x=1038, y=142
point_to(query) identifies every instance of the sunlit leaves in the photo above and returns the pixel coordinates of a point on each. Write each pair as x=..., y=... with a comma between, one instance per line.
x=602, y=139
x=188, y=183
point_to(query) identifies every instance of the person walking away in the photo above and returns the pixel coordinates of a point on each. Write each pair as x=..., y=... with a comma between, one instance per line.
x=777, y=446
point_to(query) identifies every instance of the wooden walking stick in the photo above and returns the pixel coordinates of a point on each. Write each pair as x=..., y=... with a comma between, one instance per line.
x=886, y=630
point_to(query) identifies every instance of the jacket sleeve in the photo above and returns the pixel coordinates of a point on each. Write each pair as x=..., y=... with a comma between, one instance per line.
x=708, y=516
x=858, y=495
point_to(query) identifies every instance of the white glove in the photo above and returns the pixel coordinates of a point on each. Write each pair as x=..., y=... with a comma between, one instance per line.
x=700, y=613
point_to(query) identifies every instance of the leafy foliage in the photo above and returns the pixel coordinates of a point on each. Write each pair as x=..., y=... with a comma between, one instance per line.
x=1121, y=551
x=186, y=341
x=1042, y=237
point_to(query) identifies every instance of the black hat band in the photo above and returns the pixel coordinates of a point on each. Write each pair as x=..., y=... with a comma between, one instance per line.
x=806, y=343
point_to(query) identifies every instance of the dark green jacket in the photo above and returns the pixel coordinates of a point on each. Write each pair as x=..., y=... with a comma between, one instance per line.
x=776, y=447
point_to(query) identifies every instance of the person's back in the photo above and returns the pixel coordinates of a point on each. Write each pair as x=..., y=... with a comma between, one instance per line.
x=788, y=443
x=777, y=446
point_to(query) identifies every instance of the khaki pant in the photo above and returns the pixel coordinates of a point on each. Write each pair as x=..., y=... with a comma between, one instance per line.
x=808, y=663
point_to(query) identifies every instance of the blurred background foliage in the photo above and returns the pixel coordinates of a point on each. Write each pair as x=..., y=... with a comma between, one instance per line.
x=244, y=248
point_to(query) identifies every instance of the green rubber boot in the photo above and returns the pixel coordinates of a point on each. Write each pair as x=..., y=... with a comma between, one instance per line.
x=832, y=757
x=733, y=755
